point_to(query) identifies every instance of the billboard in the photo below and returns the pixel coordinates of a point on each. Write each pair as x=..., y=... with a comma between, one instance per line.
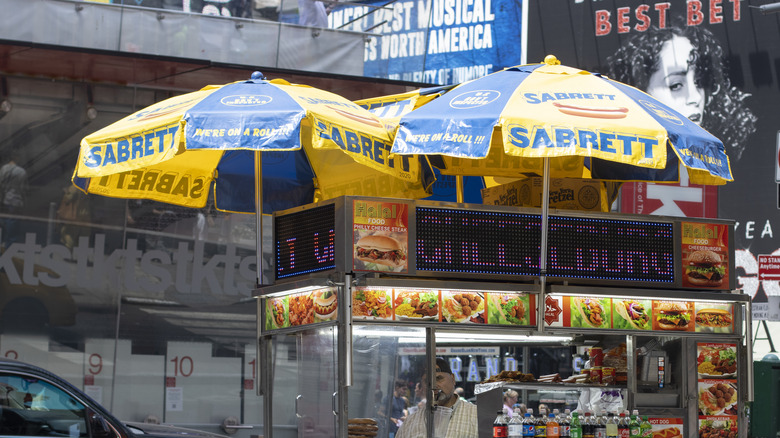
x=435, y=41
x=719, y=61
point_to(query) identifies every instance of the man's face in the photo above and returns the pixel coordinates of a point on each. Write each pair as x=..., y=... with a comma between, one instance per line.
x=444, y=388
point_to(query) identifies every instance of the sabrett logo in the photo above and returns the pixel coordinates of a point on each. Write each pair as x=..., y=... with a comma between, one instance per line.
x=373, y=148
x=609, y=142
x=154, y=180
x=131, y=148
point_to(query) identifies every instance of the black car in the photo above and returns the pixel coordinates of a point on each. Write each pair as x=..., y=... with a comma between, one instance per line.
x=35, y=402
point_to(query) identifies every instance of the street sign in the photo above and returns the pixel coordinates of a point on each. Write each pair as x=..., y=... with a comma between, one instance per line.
x=768, y=267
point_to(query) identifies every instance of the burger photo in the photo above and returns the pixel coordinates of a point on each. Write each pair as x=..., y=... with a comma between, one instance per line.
x=380, y=250
x=705, y=269
x=672, y=315
x=325, y=305
x=713, y=318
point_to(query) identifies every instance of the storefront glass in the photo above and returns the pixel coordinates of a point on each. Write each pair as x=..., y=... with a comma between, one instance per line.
x=145, y=306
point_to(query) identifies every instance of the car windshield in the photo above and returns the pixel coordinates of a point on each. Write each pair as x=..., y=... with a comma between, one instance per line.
x=33, y=407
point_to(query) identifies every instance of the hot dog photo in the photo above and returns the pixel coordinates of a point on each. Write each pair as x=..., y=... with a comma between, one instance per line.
x=714, y=318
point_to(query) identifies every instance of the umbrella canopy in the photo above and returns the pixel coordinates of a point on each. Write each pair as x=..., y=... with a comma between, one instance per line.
x=507, y=123
x=554, y=120
x=318, y=143
x=315, y=145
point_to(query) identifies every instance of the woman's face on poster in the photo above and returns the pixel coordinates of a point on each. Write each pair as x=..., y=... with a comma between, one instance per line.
x=673, y=83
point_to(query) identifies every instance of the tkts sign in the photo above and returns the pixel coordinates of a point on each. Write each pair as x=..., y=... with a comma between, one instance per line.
x=641, y=17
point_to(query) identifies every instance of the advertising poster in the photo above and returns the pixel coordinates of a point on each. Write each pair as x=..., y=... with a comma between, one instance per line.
x=705, y=255
x=731, y=89
x=276, y=313
x=436, y=41
x=666, y=427
x=372, y=304
x=463, y=307
x=631, y=314
x=380, y=236
x=510, y=309
x=714, y=318
x=717, y=388
x=416, y=305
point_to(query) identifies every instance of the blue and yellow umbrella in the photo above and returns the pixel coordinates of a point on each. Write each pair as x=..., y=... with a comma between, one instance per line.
x=557, y=121
x=313, y=145
x=260, y=145
x=508, y=123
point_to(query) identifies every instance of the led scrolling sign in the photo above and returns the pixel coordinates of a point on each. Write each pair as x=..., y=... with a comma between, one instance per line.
x=481, y=242
x=484, y=242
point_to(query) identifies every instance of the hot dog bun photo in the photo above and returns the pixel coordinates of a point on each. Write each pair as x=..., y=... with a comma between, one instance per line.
x=713, y=318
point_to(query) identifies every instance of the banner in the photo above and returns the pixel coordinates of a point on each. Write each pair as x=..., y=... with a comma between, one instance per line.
x=436, y=41
x=718, y=62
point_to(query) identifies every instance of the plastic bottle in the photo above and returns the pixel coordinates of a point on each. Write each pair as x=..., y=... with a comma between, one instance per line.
x=553, y=428
x=500, y=425
x=633, y=425
x=565, y=424
x=599, y=426
x=645, y=428
x=623, y=426
x=611, y=426
x=515, y=426
x=587, y=426
x=575, y=426
x=528, y=424
x=540, y=425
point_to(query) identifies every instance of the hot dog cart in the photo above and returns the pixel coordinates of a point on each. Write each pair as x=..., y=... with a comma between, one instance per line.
x=347, y=316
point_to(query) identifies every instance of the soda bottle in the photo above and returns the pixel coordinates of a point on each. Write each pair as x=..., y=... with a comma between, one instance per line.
x=540, y=425
x=645, y=428
x=500, y=425
x=575, y=427
x=553, y=430
x=588, y=426
x=515, y=426
x=623, y=426
x=611, y=426
x=599, y=426
x=565, y=424
x=528, y=424
x=633, y=425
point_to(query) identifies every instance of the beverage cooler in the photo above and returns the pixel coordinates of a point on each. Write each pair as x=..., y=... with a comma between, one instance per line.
x=639, y=313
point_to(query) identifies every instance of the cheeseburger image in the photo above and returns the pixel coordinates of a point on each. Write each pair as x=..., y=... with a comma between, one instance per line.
x=382, y=250
x=705, y=269
x=672, y=315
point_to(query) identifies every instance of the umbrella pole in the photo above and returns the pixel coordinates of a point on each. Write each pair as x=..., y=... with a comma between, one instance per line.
x=459, y=188
x=543, y=247
x=259, y=214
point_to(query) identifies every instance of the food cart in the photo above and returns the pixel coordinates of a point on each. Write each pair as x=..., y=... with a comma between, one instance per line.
x=371, y=290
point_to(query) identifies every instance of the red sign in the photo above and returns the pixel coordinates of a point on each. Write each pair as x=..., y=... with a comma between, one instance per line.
x=552, y=311
x=768, y=267
x=690, y=200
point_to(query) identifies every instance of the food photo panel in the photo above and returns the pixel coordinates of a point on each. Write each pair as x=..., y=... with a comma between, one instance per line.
x=416, y=305
x=714, y=318
x=631, y=314
x=508, y=308
x=463, y=307
x=372, y=303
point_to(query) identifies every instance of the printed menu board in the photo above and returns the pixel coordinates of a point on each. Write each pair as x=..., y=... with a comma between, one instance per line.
x=301, y=309
x=593, y=312
x=380, y=236
x=716, y=367
x=705, y=255
x=446, y=306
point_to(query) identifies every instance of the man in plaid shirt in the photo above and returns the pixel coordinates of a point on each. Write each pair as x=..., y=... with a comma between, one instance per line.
x=453, y=417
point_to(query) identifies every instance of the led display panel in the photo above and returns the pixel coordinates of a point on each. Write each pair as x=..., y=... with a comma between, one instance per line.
x=485, y=242
x=305, y=241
